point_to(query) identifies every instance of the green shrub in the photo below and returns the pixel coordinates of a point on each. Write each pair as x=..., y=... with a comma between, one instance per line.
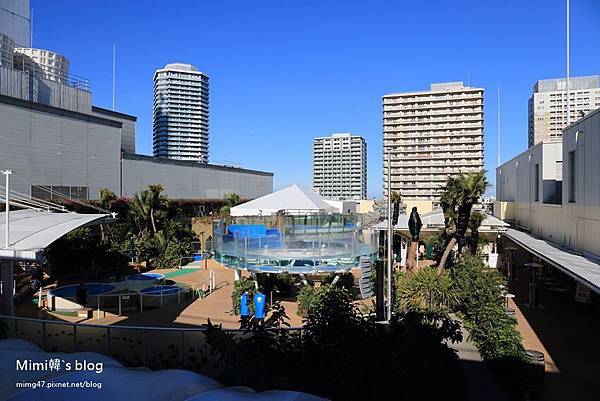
x=493, y=332
x=346, y=280
x=307, y=299
x=280, y=283
x=425, y=291
x=243, y=284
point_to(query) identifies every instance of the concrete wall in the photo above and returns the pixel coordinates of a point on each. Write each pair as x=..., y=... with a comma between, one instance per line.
x=127, y=129
x=574, y=224
x=189, y=180
x=582, y=224
x=48, y=146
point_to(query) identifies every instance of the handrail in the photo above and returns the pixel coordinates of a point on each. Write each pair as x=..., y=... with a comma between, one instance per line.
x=157, y=328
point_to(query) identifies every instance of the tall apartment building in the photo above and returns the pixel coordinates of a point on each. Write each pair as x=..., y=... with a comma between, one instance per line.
x=548, y=106
x=340, y=166
x=180, y=113
x=429, y=136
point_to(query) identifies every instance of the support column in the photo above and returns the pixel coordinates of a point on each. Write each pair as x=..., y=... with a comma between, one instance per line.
x=7, y=288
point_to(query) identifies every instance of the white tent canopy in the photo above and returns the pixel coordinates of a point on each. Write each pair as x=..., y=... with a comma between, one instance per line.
x=30, y=231
x=435, y=219
x=292, y=199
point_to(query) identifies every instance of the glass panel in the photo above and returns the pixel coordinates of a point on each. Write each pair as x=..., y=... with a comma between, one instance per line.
x=92, y=339
x=31, y=331
x=127, y=345
x=59, y=337
x=164, y=348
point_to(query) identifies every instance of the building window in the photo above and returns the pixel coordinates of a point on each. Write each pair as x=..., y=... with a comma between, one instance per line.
x=572, y=172
x=536, y=182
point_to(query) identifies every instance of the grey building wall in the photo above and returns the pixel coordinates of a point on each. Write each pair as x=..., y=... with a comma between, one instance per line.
x=191, y=180
x=48, y=146
x=128, y=126
x=15, y=21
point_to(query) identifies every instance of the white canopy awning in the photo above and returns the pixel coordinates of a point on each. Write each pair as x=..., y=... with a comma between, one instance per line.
x=293, y=199
x=579, y=268
x=435, y=219
x=33, y=230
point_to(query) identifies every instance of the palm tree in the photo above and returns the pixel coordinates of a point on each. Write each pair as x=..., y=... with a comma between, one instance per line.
x=425, y=291
x=459, y=196
x=474, y=223
x=231, y=199
x=147, y=207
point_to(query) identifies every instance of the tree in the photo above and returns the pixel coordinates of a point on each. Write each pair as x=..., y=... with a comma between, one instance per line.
x=425, y=291
x=458, y=197
x=231, y=199
x=474, y=223
x=148, y=207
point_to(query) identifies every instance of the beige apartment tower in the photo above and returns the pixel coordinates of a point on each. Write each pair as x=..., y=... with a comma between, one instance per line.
x=340, y=166
x=430, y=135
x=548, y=106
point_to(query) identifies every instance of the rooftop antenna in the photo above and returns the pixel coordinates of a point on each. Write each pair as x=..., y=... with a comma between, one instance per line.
x=568, y=62
x=113, y=75
x=31, y=28
x=498, y=128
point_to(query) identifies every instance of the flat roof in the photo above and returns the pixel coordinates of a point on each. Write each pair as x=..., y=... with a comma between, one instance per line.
x=577, y=267
x=26, y=104
x=185, y=163
x=113, y=113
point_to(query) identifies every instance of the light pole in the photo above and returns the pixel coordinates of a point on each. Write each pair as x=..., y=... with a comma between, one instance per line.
x=7, y=173
x=7, y=265
x=389, y=239
x=568, y=62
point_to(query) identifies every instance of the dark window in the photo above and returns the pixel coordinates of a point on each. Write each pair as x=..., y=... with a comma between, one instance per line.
x=536, y=183
x=572, y=175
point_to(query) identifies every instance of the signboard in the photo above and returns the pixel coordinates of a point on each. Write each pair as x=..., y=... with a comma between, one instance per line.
x=493, y=260
x=582, y=294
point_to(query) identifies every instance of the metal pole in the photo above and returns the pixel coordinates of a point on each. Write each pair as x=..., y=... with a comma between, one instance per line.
x=389, y=239
x=568, y=63
x=113, y=77
x=7, y=173
x=498, y=128
x=119, y=305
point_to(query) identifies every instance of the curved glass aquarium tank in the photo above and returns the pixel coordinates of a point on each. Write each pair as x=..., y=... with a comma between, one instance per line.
x=296, y=244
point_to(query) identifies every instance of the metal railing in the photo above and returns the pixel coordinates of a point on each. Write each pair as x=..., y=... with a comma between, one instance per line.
x=149, y=346
x=136, y=301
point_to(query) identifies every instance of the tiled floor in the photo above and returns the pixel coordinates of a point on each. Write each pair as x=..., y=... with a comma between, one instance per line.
x=569, y=336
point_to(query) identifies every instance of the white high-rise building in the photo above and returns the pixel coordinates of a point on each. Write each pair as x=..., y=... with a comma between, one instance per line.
x=181, y=113
x=548, y=106
x=429, y=136
x=340, y=166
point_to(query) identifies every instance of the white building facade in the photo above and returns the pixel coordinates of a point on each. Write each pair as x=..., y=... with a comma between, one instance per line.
x=340, y=166
x=430, y=135
x=548, y=106
x=553, y=189
x=181, y=113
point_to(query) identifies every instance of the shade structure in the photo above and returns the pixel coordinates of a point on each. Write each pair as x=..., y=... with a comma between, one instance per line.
x=33, y=230
x=577, y=267
x=292, y=199
x=434, y=220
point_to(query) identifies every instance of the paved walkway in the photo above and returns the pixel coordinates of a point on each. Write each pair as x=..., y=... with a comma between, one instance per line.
x=568, y=335
x=216, y=306
x=482, y=384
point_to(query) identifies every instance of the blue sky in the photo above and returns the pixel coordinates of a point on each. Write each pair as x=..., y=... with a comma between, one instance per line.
x=284, y=72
